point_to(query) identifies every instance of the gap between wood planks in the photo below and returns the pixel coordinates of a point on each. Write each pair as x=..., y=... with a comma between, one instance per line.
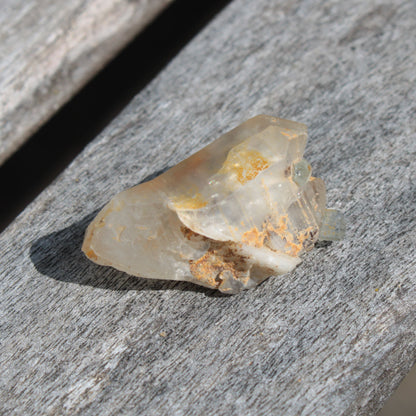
x=46, y=154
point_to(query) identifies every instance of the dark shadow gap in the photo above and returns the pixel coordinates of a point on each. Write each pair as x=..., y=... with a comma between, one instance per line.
x=46, y=154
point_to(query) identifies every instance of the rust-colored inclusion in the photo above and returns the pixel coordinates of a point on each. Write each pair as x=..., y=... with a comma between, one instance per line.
x=294, y=244
x=245, y=164
x=219, y=258
x=193, y=202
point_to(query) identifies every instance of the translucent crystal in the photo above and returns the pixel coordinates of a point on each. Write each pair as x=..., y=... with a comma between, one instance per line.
x=241, y=209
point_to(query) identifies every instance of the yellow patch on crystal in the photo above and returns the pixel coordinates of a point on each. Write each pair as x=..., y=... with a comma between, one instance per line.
x=245, y=164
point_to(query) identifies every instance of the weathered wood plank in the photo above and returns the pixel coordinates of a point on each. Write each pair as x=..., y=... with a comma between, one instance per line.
x=49, y=49
x=336, y=336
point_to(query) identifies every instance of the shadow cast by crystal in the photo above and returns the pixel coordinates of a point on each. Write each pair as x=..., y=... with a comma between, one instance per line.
x=58, y=255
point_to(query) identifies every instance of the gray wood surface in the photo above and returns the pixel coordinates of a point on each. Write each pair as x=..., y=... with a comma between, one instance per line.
x=334, y=337
x=49, y=49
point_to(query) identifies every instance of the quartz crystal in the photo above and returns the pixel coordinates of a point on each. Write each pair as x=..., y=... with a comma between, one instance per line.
x=238, y=211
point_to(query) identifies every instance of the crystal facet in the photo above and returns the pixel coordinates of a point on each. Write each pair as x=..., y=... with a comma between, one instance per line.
x=243, y=208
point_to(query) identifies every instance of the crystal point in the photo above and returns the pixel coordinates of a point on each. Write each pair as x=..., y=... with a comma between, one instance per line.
x=238, y=211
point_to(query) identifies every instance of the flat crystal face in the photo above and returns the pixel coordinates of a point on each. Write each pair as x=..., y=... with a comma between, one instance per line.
x=241, y=209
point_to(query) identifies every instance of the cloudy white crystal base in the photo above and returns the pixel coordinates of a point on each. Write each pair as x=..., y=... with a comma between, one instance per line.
x=243, y=208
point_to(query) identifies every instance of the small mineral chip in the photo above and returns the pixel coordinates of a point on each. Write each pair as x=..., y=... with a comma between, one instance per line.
x=238, y=211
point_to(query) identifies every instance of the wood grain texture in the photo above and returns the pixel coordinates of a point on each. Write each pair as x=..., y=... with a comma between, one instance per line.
x=334, y=337
x=50, y=49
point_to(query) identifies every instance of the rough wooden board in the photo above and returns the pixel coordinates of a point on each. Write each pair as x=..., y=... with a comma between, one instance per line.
x=334, y=337
x=49, y=49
